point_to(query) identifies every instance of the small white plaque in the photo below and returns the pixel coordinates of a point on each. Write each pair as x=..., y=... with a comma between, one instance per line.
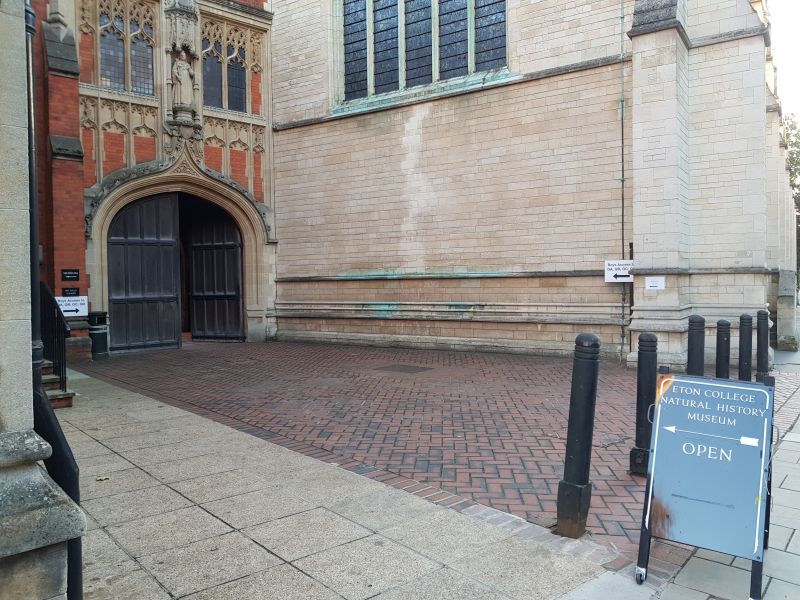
x=655, y=283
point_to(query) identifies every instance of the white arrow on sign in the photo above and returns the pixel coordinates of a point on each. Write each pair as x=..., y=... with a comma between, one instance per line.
x=744, y=441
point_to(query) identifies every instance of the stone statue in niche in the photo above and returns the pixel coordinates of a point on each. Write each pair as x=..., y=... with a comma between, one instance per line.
x=182, y=88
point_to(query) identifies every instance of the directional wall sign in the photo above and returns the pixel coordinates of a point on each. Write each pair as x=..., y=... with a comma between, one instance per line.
x=73, y=306
x=709, y=460
x=70, y=274
x=619, y=271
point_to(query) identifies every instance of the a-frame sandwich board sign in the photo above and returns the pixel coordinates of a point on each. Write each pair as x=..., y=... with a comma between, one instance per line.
x=709, y=468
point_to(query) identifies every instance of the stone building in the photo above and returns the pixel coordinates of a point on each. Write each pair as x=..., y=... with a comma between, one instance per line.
x=442, y=174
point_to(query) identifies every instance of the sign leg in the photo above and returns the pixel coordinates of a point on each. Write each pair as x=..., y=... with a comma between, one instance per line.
x=643, y=560
x=756, y=575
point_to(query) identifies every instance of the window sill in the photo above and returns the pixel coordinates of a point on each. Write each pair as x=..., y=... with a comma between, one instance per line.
x=432, y=91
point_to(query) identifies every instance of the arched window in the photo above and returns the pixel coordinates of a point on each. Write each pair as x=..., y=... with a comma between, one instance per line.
x=126, y=47
x=112, y=52
x=141, y=58
x=212, y=73
x=237, y=80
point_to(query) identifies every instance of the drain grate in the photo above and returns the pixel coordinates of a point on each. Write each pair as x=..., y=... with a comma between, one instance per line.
x=404, y=369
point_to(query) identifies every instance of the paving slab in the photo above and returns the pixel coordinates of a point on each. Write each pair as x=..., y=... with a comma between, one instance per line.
x=366, y=567
x=192, y=467
x=220, y=485
x=110, y=483
x=253, y=508
x=778, y=564
x=131, y=585
x=781, y=590
x=676, y=592
x=128, y=506
x=306, y=533
x=779, y=537
x=382, y=508
x=527, y=571
x=208, y=563
x=610, y=585
x=722, y=581
x=283, y=582
x=157, y=533
x=443, y=584
x=100, y=551
x=445, y=535
x=103, y=464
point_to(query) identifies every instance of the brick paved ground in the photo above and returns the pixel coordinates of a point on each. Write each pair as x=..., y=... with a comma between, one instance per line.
x=447, y=425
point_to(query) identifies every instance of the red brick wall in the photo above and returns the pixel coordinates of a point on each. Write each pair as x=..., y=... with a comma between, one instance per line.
x=255, y=93
x=69, y=250
x=144, y=148
x=213, y=157
x=239, y=167
x=89, y=157
x=86, y=54
x=63, y=94
x=259, y=4
x=113, y=151
x=258, y=176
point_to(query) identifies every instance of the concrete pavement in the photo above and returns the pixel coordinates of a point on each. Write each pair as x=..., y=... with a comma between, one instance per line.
x=184, y=507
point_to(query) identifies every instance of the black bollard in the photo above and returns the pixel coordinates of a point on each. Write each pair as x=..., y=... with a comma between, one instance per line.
x=575, y=489
x=745, y=348
x=762, y=347
x=697, y=334
x=646, y=374
x=723, y=369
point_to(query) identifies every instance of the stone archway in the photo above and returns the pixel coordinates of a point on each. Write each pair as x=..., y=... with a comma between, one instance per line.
x=107, y=198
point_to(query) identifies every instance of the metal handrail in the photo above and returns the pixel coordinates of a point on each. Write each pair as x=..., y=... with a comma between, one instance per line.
x=55, y=331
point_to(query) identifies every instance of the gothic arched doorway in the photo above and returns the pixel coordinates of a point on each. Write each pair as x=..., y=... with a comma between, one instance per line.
x=174, y=265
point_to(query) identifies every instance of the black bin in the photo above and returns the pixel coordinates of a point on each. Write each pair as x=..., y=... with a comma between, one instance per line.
x=98, y=334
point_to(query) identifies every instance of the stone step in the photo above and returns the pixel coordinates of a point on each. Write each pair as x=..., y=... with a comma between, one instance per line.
x=47, y=367
x=50, y=381
x=59, y=399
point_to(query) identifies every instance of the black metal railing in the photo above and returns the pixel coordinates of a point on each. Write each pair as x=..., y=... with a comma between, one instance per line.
x=55, y=331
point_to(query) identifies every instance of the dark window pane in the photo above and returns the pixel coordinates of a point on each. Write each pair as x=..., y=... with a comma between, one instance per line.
x=419, y=54
x=112, y=60
x=490, y=34
x=141, y=67
x=355, y=49
x=212, y=81
x=237, y=86
x=387, y=77
x=453, y=39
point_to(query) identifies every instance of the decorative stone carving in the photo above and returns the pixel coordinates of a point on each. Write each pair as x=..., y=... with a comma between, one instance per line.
x=181, y=17
x=183, y=162
x=88, y=112
x=183, y=102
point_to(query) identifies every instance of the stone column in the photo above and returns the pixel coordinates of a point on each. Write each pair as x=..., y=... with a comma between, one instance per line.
x=660, y=172
x=36, y=517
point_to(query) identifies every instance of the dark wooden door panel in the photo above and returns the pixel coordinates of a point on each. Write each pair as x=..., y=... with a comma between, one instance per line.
x=143, y=274
x=215, y=260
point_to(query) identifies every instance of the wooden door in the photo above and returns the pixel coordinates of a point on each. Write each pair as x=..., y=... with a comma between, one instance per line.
x=144, y=275
x=215, y=273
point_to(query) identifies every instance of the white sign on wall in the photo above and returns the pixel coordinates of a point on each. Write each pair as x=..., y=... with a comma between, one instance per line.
x=655, y=283
x=619, y=271
x=74, y=306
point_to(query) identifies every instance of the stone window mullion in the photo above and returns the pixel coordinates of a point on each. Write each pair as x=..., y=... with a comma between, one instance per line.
x=470, y=36
x=401, y=43
x=435, y=40
x=370, y=47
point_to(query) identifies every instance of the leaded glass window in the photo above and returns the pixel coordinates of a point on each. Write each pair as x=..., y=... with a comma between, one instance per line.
x=398, y=44
x=237, y=81
x=126, y=47
x=212, y=74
